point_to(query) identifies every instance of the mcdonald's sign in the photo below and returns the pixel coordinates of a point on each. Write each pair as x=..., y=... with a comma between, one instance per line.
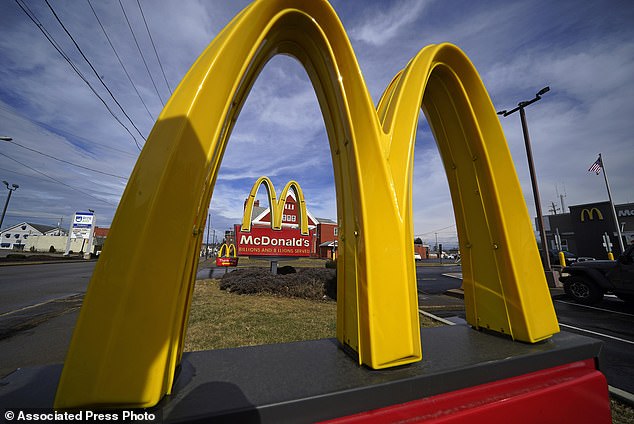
x=590, y=213
x=227, y=255
x=372, y=150
x=275, y=240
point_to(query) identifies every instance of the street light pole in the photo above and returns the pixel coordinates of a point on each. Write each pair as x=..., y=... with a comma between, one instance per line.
x=11, y=189
x=531, y=167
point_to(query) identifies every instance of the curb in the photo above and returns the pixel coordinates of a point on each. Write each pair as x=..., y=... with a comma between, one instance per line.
x=61, y=261
x=622, y=395
x=436, y=318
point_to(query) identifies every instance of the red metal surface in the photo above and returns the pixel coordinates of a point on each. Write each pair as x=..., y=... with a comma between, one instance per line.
x=572, y=393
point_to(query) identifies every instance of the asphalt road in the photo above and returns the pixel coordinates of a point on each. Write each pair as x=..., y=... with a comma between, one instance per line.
x=434, y=279
x=38, y=311
x=611, y=321
x=27, y=285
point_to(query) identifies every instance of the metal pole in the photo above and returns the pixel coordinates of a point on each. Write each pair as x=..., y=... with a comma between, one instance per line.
x=616, y=219
x=538, y=205
x=6, y=204
x=208, y=225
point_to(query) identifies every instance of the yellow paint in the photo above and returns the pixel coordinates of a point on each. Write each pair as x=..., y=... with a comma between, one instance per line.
x=277, y=206
x=610, y=256
x=562, y=259
x=129, y=336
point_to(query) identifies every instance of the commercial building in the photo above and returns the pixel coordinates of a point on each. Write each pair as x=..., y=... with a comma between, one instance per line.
x=582, y=229
x=16, y=236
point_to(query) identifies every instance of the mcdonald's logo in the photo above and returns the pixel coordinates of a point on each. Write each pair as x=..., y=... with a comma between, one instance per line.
x=227, y=255
x=372, y=150
x=590, y=214
x=276, y=205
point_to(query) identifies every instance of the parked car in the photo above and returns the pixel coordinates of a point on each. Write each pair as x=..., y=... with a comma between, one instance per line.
x=586, y=282
x=417, y=257
x=570, y=257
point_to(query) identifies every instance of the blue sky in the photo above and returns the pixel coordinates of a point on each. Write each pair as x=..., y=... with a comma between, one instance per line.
x=583, y=50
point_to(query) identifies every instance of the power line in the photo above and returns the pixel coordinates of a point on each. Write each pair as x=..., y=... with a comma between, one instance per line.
x=51, y=40
x=436, y=231
x=15, y=172
x=68, y=162
x=141, y=53
x=56, y=180
x=65, y=133
x=120, y=61
x=154, y=47
x=94, y=70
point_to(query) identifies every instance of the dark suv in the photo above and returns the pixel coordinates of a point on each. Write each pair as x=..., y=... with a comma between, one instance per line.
x=587, y=282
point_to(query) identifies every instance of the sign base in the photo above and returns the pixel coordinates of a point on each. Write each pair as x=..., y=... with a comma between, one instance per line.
x=464, y=375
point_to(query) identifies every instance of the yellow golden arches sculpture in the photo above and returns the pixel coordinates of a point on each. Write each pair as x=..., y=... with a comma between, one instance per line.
x=129, y=336
x=276, y=205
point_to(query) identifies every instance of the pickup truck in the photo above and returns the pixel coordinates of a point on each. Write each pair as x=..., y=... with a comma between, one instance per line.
x=587, y=282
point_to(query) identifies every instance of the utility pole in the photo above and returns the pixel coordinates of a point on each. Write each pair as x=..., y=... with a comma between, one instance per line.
x=531, y=168
x=11, y=188
x=208, y=227
x=553, y=208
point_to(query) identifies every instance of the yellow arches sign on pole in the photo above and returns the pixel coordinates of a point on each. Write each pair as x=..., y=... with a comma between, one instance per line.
x=227, y=255
x=276, y=205
x=129, y=337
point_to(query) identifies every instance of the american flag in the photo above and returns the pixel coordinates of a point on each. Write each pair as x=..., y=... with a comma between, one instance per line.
x=597, y=166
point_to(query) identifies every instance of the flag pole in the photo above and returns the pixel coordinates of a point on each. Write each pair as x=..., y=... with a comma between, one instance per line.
x=616, y=220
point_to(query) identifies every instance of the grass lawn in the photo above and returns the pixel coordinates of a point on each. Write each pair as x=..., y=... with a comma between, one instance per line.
x=220, y=320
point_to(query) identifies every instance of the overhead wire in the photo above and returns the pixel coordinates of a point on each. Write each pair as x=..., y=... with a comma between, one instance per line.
x=154, y=47
x=57, y=47
x=56, y=130
x=56, y=180
x=436, y=231
x=68, y=162
x=141, y=53
x=121, y=62
x=94, y=70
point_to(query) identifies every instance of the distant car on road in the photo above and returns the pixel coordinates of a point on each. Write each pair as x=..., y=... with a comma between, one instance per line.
x=586, y=282
x=418, y=257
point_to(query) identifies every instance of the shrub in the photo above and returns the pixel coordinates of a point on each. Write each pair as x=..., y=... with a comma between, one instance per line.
x=285, y=270
x=16, y=256
x=308, y=283
x=330, y=264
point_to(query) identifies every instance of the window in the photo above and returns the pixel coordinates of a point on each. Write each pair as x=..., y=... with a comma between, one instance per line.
x=5, y=245
x=23, y=227
x=7, y=235
x=335, y=231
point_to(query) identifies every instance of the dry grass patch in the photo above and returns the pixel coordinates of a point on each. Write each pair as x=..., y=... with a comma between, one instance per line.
x=219, y=319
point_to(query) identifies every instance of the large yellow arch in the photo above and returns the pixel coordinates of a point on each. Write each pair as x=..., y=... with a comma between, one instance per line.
x=129, y=335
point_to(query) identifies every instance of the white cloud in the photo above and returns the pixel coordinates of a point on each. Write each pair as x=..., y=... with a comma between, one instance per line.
x=382, y=23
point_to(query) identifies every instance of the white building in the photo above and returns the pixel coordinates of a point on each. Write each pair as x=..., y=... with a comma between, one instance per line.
x=16, y=236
